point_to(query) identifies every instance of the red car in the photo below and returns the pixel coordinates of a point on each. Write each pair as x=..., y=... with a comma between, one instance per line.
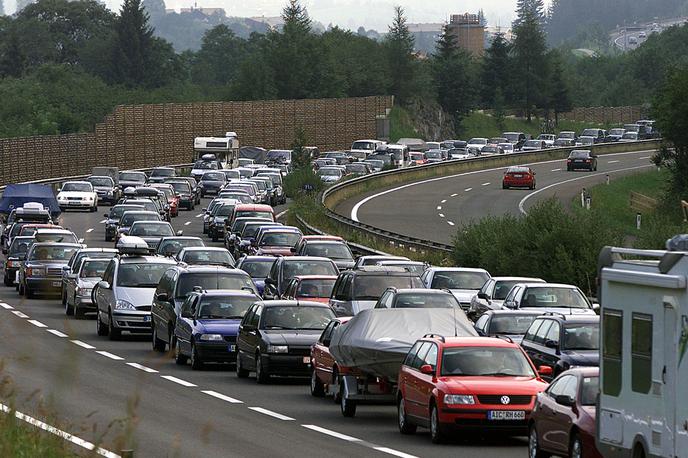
x=418, y=158
x=518, y=177
x=316, y=288
x=324, y=368
x=252, y=211
x=563, y=419
x=467, y=383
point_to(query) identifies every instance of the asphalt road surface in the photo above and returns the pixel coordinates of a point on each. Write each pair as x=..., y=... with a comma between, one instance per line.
x=434, y=209
x=122, y=395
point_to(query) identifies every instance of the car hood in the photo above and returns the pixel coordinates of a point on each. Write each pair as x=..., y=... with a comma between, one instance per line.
x=74, y=194
x=344, y=264
x=582, y=357
x=52, y=263
x=464, y=295
x=492, y=385
x=275, y=251
x=135, y=296
x=295, y=337
x=217, y=326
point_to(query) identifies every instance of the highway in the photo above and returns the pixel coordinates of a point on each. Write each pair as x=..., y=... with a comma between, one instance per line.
x=434, y=209
x=121, y=395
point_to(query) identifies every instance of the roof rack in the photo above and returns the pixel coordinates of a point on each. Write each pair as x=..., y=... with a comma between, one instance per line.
x=132, y=246
x=434, y=336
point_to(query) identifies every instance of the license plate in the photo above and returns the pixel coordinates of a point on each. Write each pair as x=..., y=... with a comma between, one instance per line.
x=578, y=160
x=57, y=283
x=231, y=348
x=506, y=415
x=146, y=319
x=518, y=176
x=306, y=360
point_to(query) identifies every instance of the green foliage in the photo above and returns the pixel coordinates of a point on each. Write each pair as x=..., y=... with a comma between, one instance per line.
x=479, y=124
x=495, y=72
x=302, y=181
x=400, y=61
x=401, y=125
x=19, y=439
x=217, y=62
x=300, y=156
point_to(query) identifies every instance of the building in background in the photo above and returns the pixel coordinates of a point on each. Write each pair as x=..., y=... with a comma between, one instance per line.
x=469, y=31
x=425, y=36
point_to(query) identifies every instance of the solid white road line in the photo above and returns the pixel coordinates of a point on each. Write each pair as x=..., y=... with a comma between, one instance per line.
x=451, y=223
x=281, y=214
x=441, y=215
x=199, y=215
x=19, y=314
x=270, y=413
x=439, y=207
x=58, y=432
x=329, y=432
x=88, y=231
x=177, y=380
x=57, y=333
x=83, y=344
x=142, y=368
x=486, y=184
x=6, y=306
x=215, y=394
x=391, y=451
x=468, y=189
x=110, y=355
x=37, y=323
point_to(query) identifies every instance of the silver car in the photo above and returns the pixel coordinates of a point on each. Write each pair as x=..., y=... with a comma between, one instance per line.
x=79, y=290
x=71, y=270
x=123, y=297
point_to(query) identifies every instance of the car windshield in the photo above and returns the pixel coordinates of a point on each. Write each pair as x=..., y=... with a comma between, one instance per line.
x=224, y=210
x=140, y=275
x=257, y=269
x=582, y=337
x=329, y=250
x=545, y=296
x=181, y=187
x=101, y=181
x=241, y=197
x=77, y=187
x=286, y=239
x=94, y=269
x=151, y=229
x=19, y=248
x=321, y=287
x=478, y=141
x=225, y=307
x=205, y=165
x=172, y=247
x=371, y=287
x=162, y=172
x=589, y=133
x=459, y=280
x=136, y=177
x=368, y=146
x=567, y=135
x=425, y=301
x=232, y=174
x=296, y=317
x=128, y=220
x=208, y=257
x=291, y=269
x=589, y=389
x=213, y=176
x=328, y=172
x=212, y=280
x=254, y=214
x=52, y=253
x=502, y=288
x=485, y=361
x=512, y=137
x=579, y=155
x=510, y=324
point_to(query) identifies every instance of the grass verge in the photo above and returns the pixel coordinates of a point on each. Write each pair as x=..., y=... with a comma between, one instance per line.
x=19, y=439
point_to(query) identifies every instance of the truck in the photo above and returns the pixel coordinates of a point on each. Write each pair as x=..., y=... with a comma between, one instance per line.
x=642, y=407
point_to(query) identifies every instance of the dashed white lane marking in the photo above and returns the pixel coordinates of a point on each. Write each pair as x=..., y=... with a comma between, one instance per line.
x=83, y=344
x=110, y=355
x=199, y=215
x=391, y=451
x=88, y=231
x=6, y=306
x=102, y=221
x=439, y=207
x=329, y=432
x=57, y=333
x=187, y=223
x=486, y=184
x=37, y=323
x=177, y=380
x=58, y=432
x=19, y=314
x=441, y=215
x=556, y=170
x=612, y=162
x=646, y=157
x=451, y=223
x=142, y=368
x=215, y=394
x=270, y=413
x=444, y=201
x=454, y=195
x=468, y=190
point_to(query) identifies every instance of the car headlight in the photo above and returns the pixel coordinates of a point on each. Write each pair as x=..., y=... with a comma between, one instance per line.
x=278, y=349
x=459, y=399
x=60, y=197
x=211, y=337
x=35, y=272
x=124, y=305
x=84, y=291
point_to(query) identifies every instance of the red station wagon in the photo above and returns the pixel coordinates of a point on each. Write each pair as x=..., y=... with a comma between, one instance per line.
x=467, y=383
x=519, y=177
x=324, y=368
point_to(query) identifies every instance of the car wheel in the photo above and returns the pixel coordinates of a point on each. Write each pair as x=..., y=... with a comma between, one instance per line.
x=317, y=388
x=347, y=406
x=29, y=292
x=158, y=344
x=69, y=309
x=437, y=434
x=504, y=186
x=64, y=299
x=240, y=371
x=404, y=426
x=180, y=359
x=113, y=332
x=101, y=329
x=196, y=362
x=261, y=374
x=576, y=449
x=534, y=445
x=8, y=281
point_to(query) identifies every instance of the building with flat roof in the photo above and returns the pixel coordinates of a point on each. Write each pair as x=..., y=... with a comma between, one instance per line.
x=469, y=32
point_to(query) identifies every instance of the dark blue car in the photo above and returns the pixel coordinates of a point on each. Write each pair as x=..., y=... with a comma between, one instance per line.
x=258, y=267
x=207, y=328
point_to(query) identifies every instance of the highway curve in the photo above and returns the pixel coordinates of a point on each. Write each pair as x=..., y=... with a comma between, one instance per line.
x=434, y=209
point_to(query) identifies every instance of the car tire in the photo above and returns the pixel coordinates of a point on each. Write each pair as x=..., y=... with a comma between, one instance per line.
x=262, y=376
x=576, y=448
x=404, y=426
x=78, y=312
x=196, y=362
x=101, y=329
x=8, y=281
x=64, y=298
x=158, y=344
x=347, y=406
x=437, y=431
x=214, y=237
x=179, y=358
x=534, y=450
x=69, y=309
x=113, y=332
x=505, y=186
x=240, y=371
x=317, y=387
x=29, y=292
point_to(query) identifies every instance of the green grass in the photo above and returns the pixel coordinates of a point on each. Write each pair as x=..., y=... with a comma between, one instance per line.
x=482, y=125
x=21, y=440
x=400, y=125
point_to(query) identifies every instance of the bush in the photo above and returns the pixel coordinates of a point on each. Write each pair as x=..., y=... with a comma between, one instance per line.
x=302, y=181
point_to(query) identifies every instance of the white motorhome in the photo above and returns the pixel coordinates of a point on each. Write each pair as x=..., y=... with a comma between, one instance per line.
x=361, y=149
x=225, y=149
x=643, y=403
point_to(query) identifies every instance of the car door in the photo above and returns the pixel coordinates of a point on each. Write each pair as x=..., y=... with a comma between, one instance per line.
x=158, y=313
x=414, y=399
x=270, y=291
x=321, y=361
x=183, y=329
x=407, y=374
x=340, y=296
x=253, y=337
x=557, y=418
x=538, y=351
x=528, y=343
x=550, y=347
x=242, y=341
x=426, y=382
x=105, y=297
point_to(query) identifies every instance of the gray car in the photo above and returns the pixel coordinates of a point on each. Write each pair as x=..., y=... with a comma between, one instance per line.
x=152, y=231
x=70, y=271
x=88, y=275
x=41, y=272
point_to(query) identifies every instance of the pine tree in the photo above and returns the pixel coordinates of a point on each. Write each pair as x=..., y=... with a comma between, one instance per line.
x=560, y=96
x=495, y=72
x=296, y=18
x=132, y=46
x=400, y=61
x=12, y=59
x=529, y=68
x=529, y=7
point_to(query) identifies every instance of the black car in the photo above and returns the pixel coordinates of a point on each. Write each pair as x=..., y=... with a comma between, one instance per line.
x=131, y=178
x=211, y=183
x=160, y=174
x=581, y=159
x=15, y=256
x=512, y=323
x=187, y=197
x=563, y=341
x=275, y=338
x=287, y=267
x=106, y=189
x=114, y=216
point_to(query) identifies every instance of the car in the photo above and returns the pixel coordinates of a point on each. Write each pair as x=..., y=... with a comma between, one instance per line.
x=160, y=174
x=563, y=419
x=324, y=370
x=358, y=168
x=330, y=174
x=357, y=290
x=616, y=133
x=195, y=190
x=246, y=186
x=548, y=297
x=240, y=196
x=497, y=140
x=170, y=197
x=371, y=260
x=548, y=139
x=341, y=157
x=519, y=177
x=105, y=188
x=275, y=338
x=171, y=246
x=16, y=254
x=376, y=164
x=129, y=217
x=491, y=150
x=208, y=324
x=243, y=242
x=491, y=295
x=276, y=240
x=476, y=144
x=70, y=272
x=394, y=298
x=15, y=230
x=52, y=234
x=262, y=193
x=252, y=211
x=277, y=182
x=258, y=267
x=271, y=190
x=563, y=341
x=41, y=271
x=152, y=231
x=208, y=211
x=77, y=195
x=323, y=162
x=581, y=159
x=206, y=256
x=176, y=283
x=131, y=178
x=516, y=138
x=234, y=231
x=362, y=148
x=511, y=323
x=202, y=166
x=243, y=161
x=113, y=217
x=218, y=217
x=566, y=138
x=462, y=384
x=463, y=282
x=629, y=137
x=599, y=135
x=184, y=192
x=417, y=158
x=149, y=205
x=336, y=250
x=286, y=268
x=78, y=294
x=211, y=183
x=585, y=141
x=315, y=288
x=534, y=145
x=436, y=155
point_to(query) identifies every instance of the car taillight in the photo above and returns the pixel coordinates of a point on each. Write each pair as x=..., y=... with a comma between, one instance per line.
x=587, y=160
x=568, y=160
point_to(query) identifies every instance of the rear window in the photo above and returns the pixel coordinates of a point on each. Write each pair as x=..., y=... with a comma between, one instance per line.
x=514, y=325
x=225, y=307
x=151, y=229
x=371, y=287
x=329, y=250
x=425, y=301
x=579, y=155
x=209, y=257
x=316, y=287
x=296, y=317
x=210, y=280
x=554, y=297
x=212, y=176
x=582, y=337
x=254, y=214
x=459, y=280
x=291, y=269
x=257, y=269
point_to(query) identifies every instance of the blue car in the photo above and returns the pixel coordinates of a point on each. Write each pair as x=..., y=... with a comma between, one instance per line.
x=258, y=267
x=206, y=330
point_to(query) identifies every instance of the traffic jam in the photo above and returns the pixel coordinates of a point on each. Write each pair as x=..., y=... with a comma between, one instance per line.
x=454, y=349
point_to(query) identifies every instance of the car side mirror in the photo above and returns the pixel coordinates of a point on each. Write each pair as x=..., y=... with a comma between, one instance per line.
x=564, y=400
x=103, y=284
x=180, y=232
x=510, y=304
x=292, y=249
x=106, y=215
x=545, y=370
x=484, y=296
x=427, y=369
x=162, y=297
x=551, y=344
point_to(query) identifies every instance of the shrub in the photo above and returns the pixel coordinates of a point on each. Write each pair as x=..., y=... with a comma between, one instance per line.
x=302, y=181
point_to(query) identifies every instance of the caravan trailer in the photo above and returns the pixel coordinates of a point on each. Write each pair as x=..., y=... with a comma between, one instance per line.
x=643, y=403
x=225, y=149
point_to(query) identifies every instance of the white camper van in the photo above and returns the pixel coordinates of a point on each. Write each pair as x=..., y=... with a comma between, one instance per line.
x=643, y=403
x=225, y=149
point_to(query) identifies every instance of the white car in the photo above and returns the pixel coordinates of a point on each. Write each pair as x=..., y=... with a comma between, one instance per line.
x=77, y=194
x=476, y=144
x=548, y=139
x=508, y=148
x=491, y=296
x=330, y=174
x=463, y=282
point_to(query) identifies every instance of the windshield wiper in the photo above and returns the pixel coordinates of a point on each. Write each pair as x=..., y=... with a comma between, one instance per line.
x=276, y=327
x=501, y=374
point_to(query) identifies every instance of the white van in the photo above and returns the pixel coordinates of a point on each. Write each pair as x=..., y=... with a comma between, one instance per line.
x=643, y=403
